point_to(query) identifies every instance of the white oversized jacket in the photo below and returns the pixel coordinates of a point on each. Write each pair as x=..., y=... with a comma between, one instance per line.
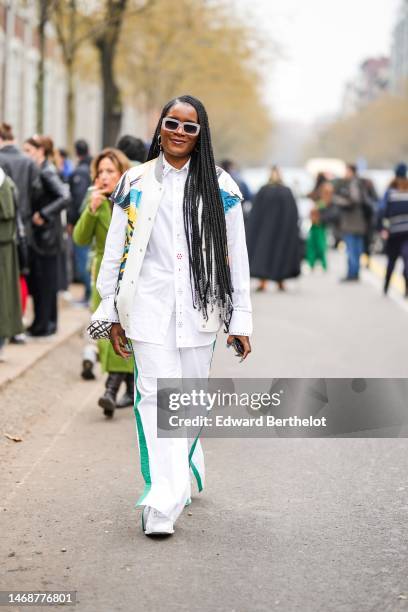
x=137, y=292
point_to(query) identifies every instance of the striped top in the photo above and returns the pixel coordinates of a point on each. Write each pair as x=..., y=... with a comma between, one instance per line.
x=396, y=212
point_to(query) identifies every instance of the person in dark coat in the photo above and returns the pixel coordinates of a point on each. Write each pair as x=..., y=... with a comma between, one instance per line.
x=46, y=240
x=229, y=166
x=24, y=173
x=134, y=148
x=371, y=203
x=273, y=234
x=10, y=301
x=395, y=225
x=79, y=182
x=64, y=164
x=350, y=195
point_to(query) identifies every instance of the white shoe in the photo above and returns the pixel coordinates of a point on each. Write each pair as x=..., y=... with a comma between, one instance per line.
x=156, y=523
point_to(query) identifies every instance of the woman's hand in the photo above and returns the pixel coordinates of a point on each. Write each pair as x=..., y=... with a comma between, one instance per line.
x=97, y=197
x=37, y=219
x=119, y=341
x=245, y=342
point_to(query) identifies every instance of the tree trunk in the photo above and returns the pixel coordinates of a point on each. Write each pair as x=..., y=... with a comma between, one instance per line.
x=111, y=98
x=40, y=85
x=66, y=27
x=70, y=106
x=106, y=44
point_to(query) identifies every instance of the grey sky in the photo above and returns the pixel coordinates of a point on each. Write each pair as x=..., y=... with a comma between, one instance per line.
x=322, y=42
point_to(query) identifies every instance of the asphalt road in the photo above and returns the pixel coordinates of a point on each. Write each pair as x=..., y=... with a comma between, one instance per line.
x=284, y=524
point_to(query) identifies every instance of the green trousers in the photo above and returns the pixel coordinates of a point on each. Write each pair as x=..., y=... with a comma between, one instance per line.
x=316, y=246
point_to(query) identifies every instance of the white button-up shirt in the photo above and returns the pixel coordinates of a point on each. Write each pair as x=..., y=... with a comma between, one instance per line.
x=163, y=299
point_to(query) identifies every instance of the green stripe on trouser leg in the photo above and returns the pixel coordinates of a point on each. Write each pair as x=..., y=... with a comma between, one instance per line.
x=193, y=466
x=143, y=451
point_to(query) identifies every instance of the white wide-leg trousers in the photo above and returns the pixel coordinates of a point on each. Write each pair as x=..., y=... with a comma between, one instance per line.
x=166, y=463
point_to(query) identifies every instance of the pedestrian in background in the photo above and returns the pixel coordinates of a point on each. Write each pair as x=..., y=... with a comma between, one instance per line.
x=273, y=234
x=351, y=198
x=10, y=301
x=229, y=166
x=25, y=174
x=321, y=178
x=134, y=149
x=63, y=164
x=370, y=209
x=91, y=231
x=395, y=224
x=46, y=240
x=79, y=182
x=316, y=243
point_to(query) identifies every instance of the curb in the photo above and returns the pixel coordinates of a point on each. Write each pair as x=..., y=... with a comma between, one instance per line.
x=47, y=350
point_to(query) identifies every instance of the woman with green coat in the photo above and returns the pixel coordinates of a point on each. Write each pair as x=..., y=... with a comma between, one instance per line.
x=10, y=303
x=91, y=229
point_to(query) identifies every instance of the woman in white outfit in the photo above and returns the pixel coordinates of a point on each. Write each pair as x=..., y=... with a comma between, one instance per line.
x=175, y=269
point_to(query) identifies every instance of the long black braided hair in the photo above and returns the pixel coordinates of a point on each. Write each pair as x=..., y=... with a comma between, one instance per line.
x=210, y=279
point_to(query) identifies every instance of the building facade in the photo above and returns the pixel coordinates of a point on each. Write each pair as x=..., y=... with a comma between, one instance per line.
x=399, y=53
x=19, y=56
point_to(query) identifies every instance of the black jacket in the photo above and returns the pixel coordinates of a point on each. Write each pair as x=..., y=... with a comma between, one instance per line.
x=355, y=200
x=79, y=182
x=273, y=234
x=26, y=176
x=47, y=238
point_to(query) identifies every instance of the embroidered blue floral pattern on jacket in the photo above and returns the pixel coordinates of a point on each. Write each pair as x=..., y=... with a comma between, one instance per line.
x=229, y=200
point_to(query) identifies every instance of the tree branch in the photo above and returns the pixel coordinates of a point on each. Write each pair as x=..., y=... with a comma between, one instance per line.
x=100, y=28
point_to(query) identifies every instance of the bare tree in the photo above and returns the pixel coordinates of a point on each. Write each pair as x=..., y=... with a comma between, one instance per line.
x=106, y=43
x=45, y=8
x=77, y=24
x=69, y=43
x=378, y=132
x=199, y=48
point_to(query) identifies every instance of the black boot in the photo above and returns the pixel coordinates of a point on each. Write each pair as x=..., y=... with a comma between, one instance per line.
x=127, y=398
x=108, y=399
x=87, y=370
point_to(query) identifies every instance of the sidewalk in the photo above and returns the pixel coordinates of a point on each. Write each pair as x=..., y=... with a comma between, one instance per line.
x=19, y=358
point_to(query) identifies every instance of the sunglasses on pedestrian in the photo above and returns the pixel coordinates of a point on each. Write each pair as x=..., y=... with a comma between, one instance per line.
x=172, y=125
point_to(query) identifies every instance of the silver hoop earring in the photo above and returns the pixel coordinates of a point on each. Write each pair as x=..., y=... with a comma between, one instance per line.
x=159, y=142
